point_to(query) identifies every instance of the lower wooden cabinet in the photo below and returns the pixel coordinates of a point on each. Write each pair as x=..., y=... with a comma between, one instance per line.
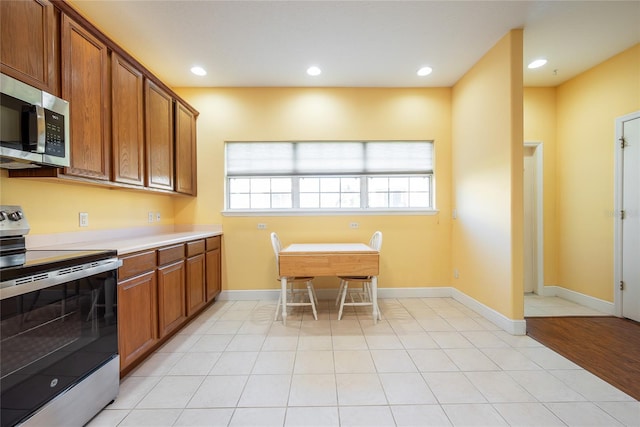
x=213, y=269
x=137, y=308
x=195, y=264
x=171, y=298
x=159, y=290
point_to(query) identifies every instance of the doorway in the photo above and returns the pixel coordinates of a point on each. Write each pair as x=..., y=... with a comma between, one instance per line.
x=627, y=223
x=533, y=225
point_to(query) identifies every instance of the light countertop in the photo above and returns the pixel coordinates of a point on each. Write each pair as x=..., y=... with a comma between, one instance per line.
x=124, y=241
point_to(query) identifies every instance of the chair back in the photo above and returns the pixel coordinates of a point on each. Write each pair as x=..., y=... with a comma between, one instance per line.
x=275, y=244
x=376, y=240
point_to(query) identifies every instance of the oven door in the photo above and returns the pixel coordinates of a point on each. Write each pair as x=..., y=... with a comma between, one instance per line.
x=52, y=338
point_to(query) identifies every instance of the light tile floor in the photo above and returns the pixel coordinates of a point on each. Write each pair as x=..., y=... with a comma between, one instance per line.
x=429, y=362
x=538, y=306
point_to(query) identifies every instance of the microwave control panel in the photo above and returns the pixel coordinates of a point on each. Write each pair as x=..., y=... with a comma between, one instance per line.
x=54, y=131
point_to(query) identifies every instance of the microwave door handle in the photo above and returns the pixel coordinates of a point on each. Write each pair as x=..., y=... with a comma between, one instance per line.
x=41, y=129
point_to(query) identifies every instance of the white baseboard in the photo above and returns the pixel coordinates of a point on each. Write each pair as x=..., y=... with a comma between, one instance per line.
x=514, y=327
x=580, y=298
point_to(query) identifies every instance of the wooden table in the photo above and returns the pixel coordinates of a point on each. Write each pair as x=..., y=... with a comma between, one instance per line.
x=330, y=259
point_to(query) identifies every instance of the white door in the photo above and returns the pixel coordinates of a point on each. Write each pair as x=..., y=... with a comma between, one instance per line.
x=631, y=219
x=530, y=279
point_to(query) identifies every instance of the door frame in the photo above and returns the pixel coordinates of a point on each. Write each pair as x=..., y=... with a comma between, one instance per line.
x=617, y=203
x=539, y=214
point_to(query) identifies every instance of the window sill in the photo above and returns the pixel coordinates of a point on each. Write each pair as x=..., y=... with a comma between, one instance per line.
x=328, y=212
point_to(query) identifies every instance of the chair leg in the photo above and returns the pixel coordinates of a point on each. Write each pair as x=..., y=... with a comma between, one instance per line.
x=278, y=305
x=339, y=292
x=312, y=300
x=345, y=290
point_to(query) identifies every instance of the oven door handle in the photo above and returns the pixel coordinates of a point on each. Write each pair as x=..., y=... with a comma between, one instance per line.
x=24, y=285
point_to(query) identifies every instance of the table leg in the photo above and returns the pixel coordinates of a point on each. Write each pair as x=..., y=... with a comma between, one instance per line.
x=283, y=285
x=374, y=299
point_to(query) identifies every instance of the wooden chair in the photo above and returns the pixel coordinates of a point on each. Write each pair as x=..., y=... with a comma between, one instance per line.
x=361, y=296
x=294, y=296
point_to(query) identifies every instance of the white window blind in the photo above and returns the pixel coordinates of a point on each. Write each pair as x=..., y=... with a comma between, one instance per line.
x=329, y=158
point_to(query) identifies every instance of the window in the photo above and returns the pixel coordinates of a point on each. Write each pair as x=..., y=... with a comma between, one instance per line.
x=331, y=176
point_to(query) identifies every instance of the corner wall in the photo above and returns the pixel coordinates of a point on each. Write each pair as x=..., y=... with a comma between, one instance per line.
x=487, y=153
x=587, y=108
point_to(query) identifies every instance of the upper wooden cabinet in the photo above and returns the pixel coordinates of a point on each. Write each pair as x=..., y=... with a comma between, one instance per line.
x=159, y=136
x=85, y=85
x=127, y=128
x=127, y=121
x=186, y=169
x=29, y=48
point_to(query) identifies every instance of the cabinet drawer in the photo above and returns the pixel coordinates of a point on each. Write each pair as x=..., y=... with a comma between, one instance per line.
x=213, y=243
x=195, y=248
x=133, y=265
x=170, y=254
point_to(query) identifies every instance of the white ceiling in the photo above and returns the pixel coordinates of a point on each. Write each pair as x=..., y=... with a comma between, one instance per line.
x=359, y=43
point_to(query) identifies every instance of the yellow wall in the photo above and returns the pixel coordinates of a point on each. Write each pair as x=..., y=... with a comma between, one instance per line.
x=540, y=126
x=487, y=179
x=53, y=207
x=587, y=108
x=416, y=249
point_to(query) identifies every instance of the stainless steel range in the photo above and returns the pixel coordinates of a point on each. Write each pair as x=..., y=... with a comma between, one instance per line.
x=59, y=362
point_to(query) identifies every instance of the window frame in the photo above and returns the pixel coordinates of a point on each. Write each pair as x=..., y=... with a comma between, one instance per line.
x=364, y=177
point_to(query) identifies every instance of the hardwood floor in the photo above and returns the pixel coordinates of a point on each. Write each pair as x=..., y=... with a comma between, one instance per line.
x=608, y=347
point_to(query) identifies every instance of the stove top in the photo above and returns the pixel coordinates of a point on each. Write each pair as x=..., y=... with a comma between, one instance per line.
x=39, y=261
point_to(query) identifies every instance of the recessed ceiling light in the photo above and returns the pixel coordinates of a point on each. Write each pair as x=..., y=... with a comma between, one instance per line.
x=314, y=71
x=198, y=71
x=537, y=63
x=424, y=71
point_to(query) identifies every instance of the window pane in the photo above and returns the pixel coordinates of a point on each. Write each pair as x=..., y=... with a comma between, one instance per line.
x=378, y=200
x=281, y=201
x=281, y=185
x=398, y=200
x=378, y=184
x=399, y=184
x=350, y=185
x=260, y=185
x=419, y=183
x=239, y=185
x=419, y=200
x=239, y=201
x=309, y=185
x=329, y=184
x=310, y=200
x=350, y=200
x=330, y=200
x=260, y=201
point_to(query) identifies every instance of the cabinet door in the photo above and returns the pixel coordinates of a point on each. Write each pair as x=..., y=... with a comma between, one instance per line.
x=85, y=85
x=186, y=168
x=213, y=268
x=28, y=49
x=159, y=136
x=195, y=283
x=127, y=122
x=137, y=318
x=171, y=297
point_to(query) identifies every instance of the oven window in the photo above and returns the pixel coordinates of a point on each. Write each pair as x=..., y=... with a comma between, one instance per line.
x=52, y=338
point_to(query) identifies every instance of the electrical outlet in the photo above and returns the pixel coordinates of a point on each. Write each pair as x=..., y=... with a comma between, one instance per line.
x=158, y=216
x=262, y=226
x=84, y=219
x=456, y=274
x=150, y=217
x=354, y=225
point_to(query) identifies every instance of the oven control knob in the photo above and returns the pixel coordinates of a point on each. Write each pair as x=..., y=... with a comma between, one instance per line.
x=16, y=215
x=3, y=215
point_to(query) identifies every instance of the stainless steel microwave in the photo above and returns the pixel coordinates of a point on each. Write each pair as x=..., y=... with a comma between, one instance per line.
x=34, y=127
